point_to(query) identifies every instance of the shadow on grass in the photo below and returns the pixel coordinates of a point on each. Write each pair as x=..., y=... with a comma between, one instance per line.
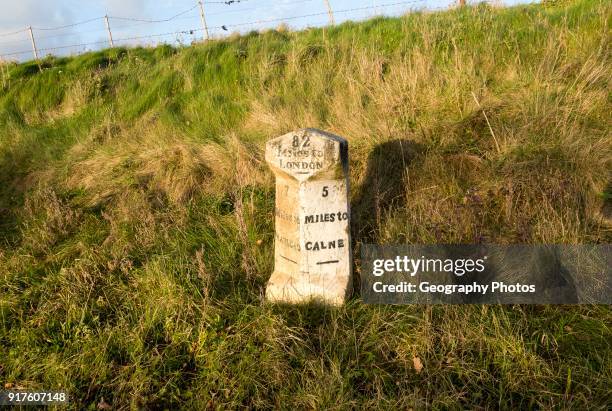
x=13, y=173
x=382, y=189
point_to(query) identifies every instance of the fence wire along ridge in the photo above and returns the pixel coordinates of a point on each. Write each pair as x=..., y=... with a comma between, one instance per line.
x=203, y=27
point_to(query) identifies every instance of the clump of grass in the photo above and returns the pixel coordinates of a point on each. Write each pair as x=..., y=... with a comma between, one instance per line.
x=136, y=232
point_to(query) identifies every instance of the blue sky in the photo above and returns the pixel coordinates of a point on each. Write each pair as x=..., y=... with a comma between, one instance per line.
x=44, y=16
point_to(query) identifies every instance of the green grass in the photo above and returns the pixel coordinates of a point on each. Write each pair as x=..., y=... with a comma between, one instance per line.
x=136, y=212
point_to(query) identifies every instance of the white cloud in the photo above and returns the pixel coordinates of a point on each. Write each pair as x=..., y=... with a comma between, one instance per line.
x=19, y=14
x=125, y=8
x=22, y=13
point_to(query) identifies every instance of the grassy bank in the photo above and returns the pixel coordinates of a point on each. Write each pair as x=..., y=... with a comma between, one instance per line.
x=136, y=212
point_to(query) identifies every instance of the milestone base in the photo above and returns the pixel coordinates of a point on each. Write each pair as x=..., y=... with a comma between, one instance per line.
x=285, y=288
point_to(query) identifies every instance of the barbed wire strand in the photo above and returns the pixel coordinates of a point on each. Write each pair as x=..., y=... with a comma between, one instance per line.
x=222, y=27
x=115, y=28
x=228, y=2
x=12, y=33
x=317, y=14
x=67, y=26
x=154, y=21
x=141, y=22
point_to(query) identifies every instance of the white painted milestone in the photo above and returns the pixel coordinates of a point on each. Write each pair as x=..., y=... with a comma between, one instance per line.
x=312, y=251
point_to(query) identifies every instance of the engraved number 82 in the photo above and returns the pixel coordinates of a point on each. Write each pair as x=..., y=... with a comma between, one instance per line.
x=305, y=141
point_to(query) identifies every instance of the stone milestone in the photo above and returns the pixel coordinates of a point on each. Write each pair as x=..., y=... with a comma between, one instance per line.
x=312, y=251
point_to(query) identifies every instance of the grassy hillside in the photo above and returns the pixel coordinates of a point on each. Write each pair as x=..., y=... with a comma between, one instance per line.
x=136, y=212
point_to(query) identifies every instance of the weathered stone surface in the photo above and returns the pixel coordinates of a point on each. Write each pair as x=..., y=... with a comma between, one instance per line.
x=312, y=239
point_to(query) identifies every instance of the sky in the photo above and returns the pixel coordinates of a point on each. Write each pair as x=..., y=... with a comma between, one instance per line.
x=65, y=27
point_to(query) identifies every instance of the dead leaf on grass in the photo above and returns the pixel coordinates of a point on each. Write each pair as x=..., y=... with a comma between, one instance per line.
x=418, y=364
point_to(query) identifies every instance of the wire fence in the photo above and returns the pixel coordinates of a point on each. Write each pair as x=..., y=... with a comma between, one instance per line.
x=15, y=43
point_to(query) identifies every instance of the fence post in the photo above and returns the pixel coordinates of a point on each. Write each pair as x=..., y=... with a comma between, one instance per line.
x=330, y=12
x=110, y=35
x=203, y=17
x=33, y=43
